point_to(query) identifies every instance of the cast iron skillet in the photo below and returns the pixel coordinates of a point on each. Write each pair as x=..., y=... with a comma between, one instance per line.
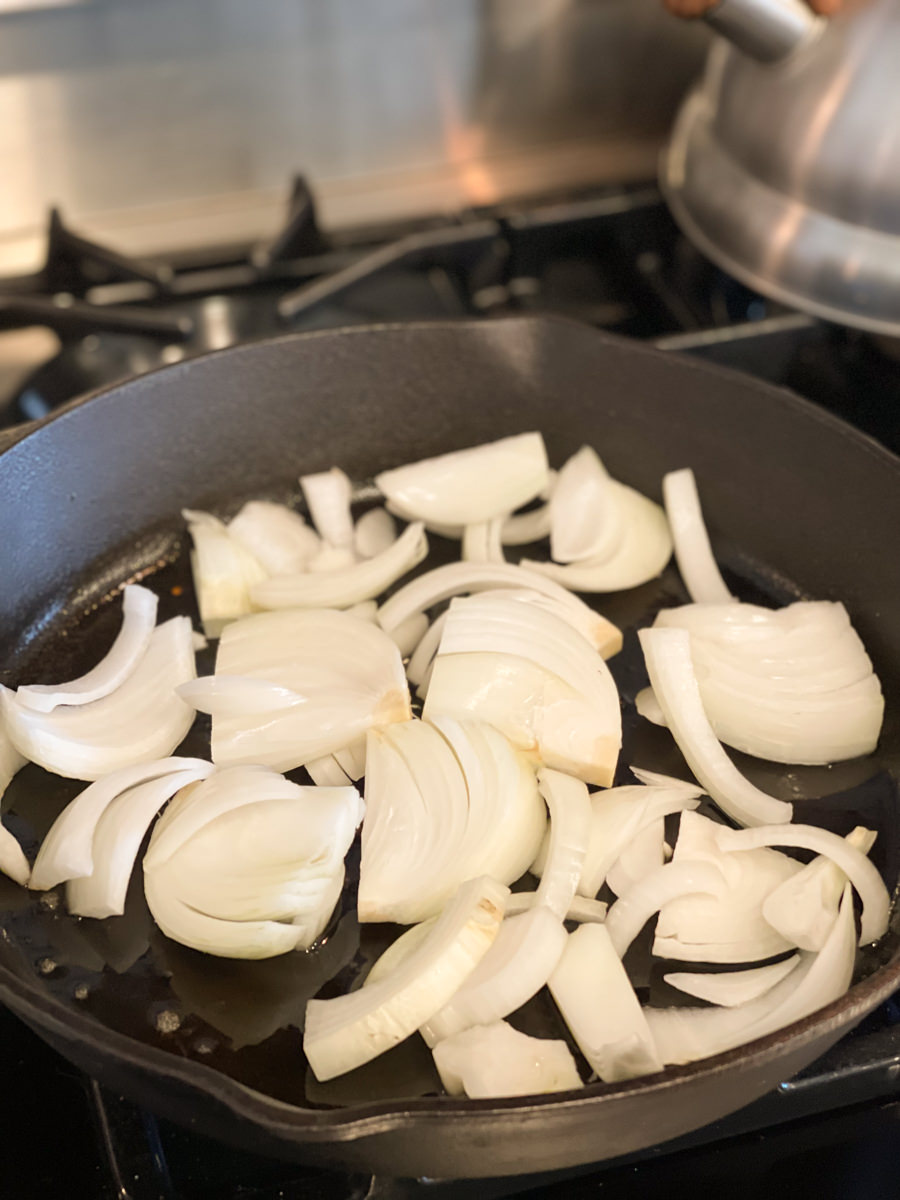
x=799, y=505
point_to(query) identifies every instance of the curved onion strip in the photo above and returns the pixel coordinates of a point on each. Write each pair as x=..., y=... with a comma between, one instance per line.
x=648, y=707
x=683, y=1035
x=138, y=620
x=408, y=635
x=117, y=839
x=418, y=669
x=655, y=779
x=570, y=823
x=341, y=588
x=455, y=579
x=804, y=908
x=581, y=910
x=350, y=1030
x=515, y=968
x=585, y=519
x=398, y=951
x=598, y=1004
x=496, y=1060
x=481, y=542
x=230, y=939
x=471, y=485
x=275, y=535
x=667, y=653
x=643, y=855
x=861, y=872
x=730, y=988
x=142, y=720
x=375, y=531
x=328, y=496
x=620, y=814
x=521, y=529
x=693, y=552
x=631, y=912
x=67, y=850
x=327, y=772
x=237, y=695
x=224, y=571
x=642, y=554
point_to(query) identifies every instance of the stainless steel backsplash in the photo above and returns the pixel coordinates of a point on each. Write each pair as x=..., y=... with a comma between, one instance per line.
x=162, y=122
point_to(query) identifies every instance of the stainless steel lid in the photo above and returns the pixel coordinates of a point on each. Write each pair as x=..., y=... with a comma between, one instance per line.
x=787, y=174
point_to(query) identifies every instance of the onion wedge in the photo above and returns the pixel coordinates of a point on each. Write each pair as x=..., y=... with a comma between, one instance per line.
x=467, y=486
x=344, y=587
x=693, y=552
x=67, y=850
x=350, y=1030
x=598, y=1004
x=224, y=572
x=138, y=621
x=861, y=872
x=496, y=1060
x=585, y=519
x=515, y=968
x=667, y=653
x=142, y=720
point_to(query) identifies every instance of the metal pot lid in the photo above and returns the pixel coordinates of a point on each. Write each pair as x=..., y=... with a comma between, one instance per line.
x=788, y=175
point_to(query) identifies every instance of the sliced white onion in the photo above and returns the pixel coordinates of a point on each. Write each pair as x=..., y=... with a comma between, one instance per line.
x=528, y=673
x=861, y=872
x=455, y=579
x=581, y=910
x=328, y=496
x=667, y=653
x=683, y=1035
x=496, y=1060
x=804, y=908
x=620, y=814
x=585, y=519
x=374, y=532
x=366, y=610
x=648, y=707
x=642, y=553
x=408, y=635
x=481, y=541
x=729, y=927
x=730, y=988
x=518, y=964
x=570, y=825
x=12, y=859
x=693, y=552
x=598, y=1004
x=352, y=758
x=643, y=855
x=238, y=696
x=327, y=772
x=521, y=529
x=138, y=621
x=631, y=912
x=344, y=587
x=445, y=802
x=347, y=671
x=350, y=1030
x=399, y=951
x=275, y=535
x=656, y=779
x=224, y=572
x=67, y=850
x=418, y=669
x=117, y=839
x=142, y=720
x=472, y=485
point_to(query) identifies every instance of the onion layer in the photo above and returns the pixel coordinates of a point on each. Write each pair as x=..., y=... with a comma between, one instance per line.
x=496, y=1060
x=692, y=549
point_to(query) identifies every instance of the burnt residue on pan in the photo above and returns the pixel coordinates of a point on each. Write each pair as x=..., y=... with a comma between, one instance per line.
x=245, y=1018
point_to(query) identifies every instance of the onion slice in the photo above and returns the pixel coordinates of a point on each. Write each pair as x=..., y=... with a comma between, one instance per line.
x=275, y=535
x=374, y=532
x=631, y=912
x=344, y=587
x=138, y=621
x=467, y=486
x=142, y=720
x=418, y=669
x=481, y=542
x=515, y=968
x=693, y=552
x=328, y=496
x=730, y=988
x=582, y=910
x=570, y=824
x=523, y=528
x=585, y=520
x=667, y=653
x=117, y=839
x=67, y=850
x=352, y=1029
x=496, y=1060
x=861, y=872
x=224, y=572
x=598, y=1004
x=643, y=855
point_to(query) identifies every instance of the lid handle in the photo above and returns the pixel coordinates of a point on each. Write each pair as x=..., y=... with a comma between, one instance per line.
x=768, y=30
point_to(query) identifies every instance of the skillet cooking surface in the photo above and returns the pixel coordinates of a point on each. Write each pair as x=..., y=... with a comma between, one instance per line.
x=112, y=474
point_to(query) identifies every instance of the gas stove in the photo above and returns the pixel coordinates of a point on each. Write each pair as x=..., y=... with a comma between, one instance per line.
x=613, y=259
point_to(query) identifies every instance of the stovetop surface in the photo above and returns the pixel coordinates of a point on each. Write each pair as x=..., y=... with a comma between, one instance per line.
x=616, y=261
